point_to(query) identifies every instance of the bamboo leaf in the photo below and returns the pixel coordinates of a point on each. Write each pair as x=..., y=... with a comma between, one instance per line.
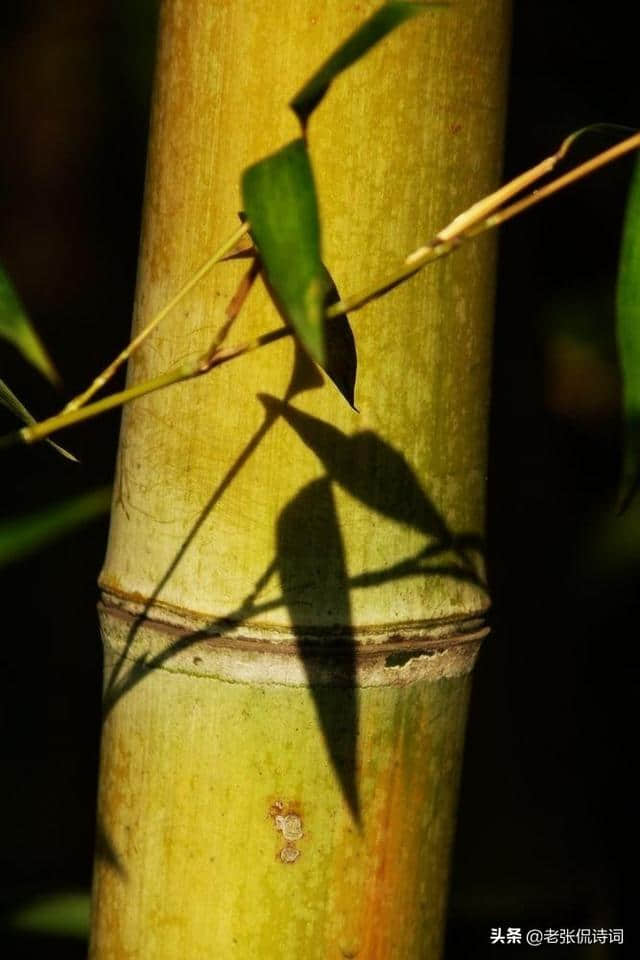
x=383, y=21
x=280, y=201
x=341, y=358
x=16, y=327
x=58, y=915
x=628, y=336
x=9, y=400
x=24, y=535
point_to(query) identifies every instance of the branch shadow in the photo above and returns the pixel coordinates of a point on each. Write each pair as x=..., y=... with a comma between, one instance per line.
x=310, y=562
x=340, y=367
x=312, y=566
x=304, y=376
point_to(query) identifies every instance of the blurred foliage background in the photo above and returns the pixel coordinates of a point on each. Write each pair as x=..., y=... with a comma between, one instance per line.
x=541, y=831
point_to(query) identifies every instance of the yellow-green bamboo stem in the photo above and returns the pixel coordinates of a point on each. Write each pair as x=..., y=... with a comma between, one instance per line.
x=279, y=577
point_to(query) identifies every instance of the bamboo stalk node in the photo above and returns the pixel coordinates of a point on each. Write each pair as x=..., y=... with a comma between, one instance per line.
x=263, y=655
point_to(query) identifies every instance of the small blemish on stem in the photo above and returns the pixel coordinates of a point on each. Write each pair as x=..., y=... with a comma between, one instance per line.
x=289, y=824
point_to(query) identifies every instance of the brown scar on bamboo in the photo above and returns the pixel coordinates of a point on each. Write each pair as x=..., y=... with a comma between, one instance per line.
x=290, y=826
x=287, y=821
x=289, y=853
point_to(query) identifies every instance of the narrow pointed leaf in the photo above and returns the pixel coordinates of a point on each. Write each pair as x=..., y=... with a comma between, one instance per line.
x=9, y=400
x=279, y=198
x=383, y=21
x=340, y=361
x=628, y=335
x=16, y=327
x=24, y=535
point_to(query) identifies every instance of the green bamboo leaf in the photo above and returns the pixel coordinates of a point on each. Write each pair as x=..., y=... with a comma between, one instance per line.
x=383, y=21
x=58, y=915
x=16, y=327
x=9, y=400
x=279, y=198
x=24, y=535
x=628, y=335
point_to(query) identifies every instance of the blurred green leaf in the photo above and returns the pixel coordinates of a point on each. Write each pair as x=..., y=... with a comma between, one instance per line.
x=279, y=198
x=23, y=535
x=9, y=400
x=383, y=21
x=15, y=327
x=628, y=334
x=609, y=547
x=62, y=915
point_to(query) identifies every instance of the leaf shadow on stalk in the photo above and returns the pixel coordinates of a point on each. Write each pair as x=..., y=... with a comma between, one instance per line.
x=313, y=572
x=369, y=469
x=105, y=849
x=311, y=565
x=304, y=376
x=340, y=367
x=313, y=578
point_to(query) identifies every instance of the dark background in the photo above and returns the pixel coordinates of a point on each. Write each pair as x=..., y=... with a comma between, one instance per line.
x=542, y=825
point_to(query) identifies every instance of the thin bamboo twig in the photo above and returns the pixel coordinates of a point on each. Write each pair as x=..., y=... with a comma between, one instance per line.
x=124, y=355
x=412, y=264
x=187, y=371
x=44, y=428
x=427, y=254
x=584, y=170
x=484, y=208
x=215, y=356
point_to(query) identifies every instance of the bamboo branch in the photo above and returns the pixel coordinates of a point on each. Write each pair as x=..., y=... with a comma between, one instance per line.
x=446, y=241
x=483, y=208
x=124, y=355
x=215, y=356
x=584, y=170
